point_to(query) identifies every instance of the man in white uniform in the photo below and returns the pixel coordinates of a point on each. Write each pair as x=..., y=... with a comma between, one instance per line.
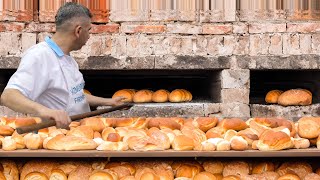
x=48, y=82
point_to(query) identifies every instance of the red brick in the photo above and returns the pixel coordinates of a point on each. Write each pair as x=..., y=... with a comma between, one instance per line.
x=15, y=27
x=149, y=29
x=107, y=28
x=2, y=28
x=267, y=27
x=303, y=27
x=217, y=29
x=41, y=27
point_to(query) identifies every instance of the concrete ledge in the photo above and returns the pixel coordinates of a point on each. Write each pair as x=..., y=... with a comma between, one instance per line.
x=291, y=112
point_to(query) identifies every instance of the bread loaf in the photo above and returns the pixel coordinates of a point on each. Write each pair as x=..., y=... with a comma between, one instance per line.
x=237, y=168
x=309, y=127
x=103, y=174
x=261, y=167
x=232, y=123
x=289, y=177
x=160, y=96
x=126, y=93
x=180, y=95
x=204, y=176
x=97, y=123
x=182, y=143
x=33, y=141
x=36, y=175
x=44, y=167
x=10, y=169
x=203, y=123
x=231, y=177
x=274, y=140
x=143, y=96
x=82, y=131
x=163, y=123
x=6, y=130
x=238, y=143
x=272, y=96
x=70, y=143
x=58, y=174
x=295, y=97
x=214, y=167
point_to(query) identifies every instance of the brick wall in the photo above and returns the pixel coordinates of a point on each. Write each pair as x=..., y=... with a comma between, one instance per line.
x=162, y=31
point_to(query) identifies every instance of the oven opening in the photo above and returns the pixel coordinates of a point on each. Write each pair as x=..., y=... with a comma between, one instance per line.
x=263, y=81
x=205, y=85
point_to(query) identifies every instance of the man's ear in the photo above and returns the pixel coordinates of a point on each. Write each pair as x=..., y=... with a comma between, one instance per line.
x=78, y=31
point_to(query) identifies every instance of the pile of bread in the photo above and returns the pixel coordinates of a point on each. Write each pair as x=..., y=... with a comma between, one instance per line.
x=158, y=170
x=160, y=133
x=292, y=97
x=159, y=96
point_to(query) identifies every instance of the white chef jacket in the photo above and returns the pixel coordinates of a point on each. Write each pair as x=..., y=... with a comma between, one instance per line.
x=47, y=76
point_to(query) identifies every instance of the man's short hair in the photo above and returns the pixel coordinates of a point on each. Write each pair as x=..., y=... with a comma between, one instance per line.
x=70, y=10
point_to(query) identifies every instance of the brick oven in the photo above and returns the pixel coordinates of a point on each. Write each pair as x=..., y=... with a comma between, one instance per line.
x=227, y=53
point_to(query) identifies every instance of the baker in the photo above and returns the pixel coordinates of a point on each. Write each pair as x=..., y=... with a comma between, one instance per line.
x=48, y=82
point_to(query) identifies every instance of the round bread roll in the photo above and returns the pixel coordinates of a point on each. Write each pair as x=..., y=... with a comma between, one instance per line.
x=36, y=175
x=204, y=176
x=214, y=167
x=143, y=96
x=182, y=143
x=160, y=96
x=178, y=95
x=126, y=93
x=233, y=123
x=272, y=96
x=274, y=141
x=149, y=176
x=259, y=168
x=289, y=177
x=6, y=130
x=236, y=168
x=309, y=127
x=295, y=97
x=58, y=174
x=103, y=175
x=231, y=177
x=33, y=141
x=301, y=169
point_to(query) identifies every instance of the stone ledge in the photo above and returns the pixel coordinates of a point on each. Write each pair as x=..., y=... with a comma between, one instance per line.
x=192, y=62
x=279, y=62
x=290, y=112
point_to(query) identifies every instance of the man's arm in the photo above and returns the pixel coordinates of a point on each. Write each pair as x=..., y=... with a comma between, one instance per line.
x=95, y=101
x=15, y=100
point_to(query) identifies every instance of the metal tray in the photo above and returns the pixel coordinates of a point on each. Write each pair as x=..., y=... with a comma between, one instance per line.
x=311, y=152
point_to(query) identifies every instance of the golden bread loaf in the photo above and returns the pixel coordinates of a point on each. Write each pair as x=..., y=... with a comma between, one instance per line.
x=236, y=168
x=309, y=127
x=82, y=171
x=180, y=95
x=272, y=96
x=103, y=175
x=97, y=123
x=231, y=177
x=289, y=177
x=128, y=178
x=182, y=143
x=295, y=97
x=128, y=94
x=161, y=122
x=261, y=167
x=274, y=141
x=81, y=131
x=113, y=146
x=214, y=167
x=44, y=167
x=33, y=141
x=36, y=175
x=301, y=169
x=238, y=143
x=10, y=169
x=204, y=176
x=70, y=143
x=58, y=174
x=9, y=144
x=203, y=123
x=160, y=96
x=6, y=130
x=143, y=96
x=232, y=123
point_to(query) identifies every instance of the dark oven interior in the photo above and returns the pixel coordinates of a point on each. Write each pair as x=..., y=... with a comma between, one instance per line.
x=263, y=81
x=204, y=85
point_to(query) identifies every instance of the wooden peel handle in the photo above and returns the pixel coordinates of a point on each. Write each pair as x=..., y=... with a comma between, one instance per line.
x=47, y=122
